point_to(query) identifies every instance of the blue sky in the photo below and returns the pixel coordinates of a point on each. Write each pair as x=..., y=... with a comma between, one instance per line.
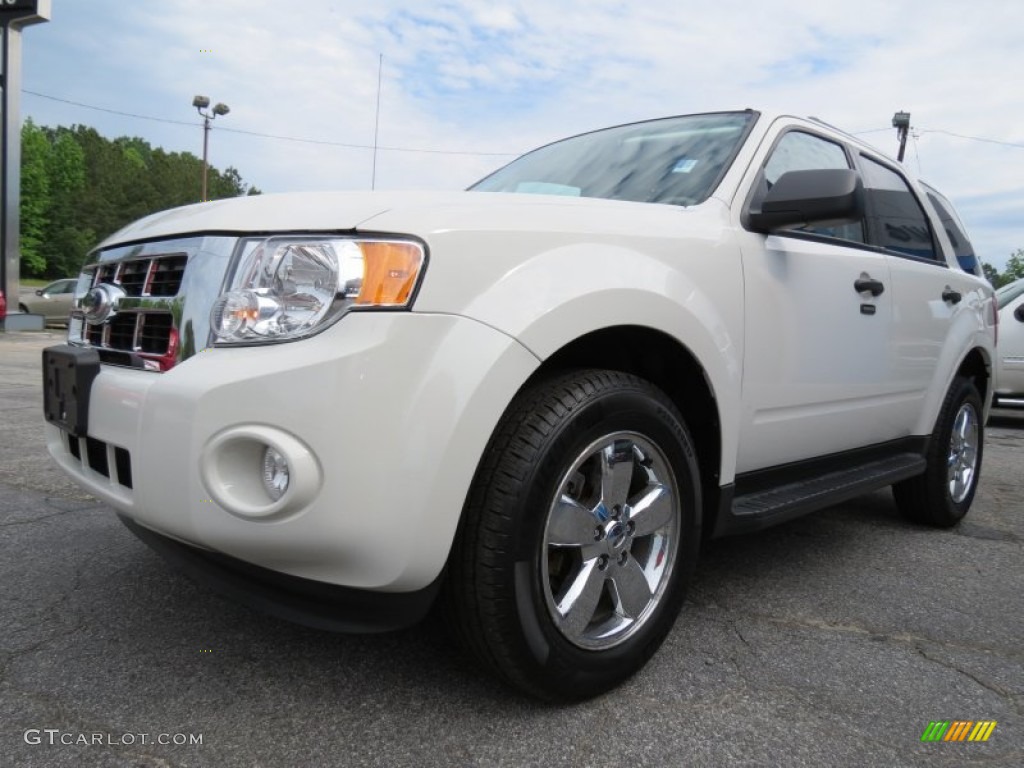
x=467, y=84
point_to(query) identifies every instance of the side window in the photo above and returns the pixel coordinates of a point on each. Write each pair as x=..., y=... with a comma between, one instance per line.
x=799, y=151
x=896, y=220
x=955, y=230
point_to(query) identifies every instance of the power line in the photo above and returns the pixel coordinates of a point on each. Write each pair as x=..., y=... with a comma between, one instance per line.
x=269, y=135
x=972, y=138
x=108, y=111
x=948, y=133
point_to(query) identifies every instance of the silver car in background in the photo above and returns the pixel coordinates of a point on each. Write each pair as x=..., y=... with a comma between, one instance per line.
x=53, y=302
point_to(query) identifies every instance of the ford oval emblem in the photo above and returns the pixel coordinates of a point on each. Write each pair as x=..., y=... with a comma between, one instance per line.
x=100, y=303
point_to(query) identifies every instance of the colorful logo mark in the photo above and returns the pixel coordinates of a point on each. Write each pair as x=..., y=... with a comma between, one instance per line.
x=958, y=730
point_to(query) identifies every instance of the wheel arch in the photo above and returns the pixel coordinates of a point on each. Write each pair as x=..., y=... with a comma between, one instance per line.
x=977, y=366
x=672, y=367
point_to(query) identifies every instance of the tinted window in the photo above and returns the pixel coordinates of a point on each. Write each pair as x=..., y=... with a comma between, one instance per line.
x=896, y=220
x=677, y=160
x=798, y=151
x=955, y=230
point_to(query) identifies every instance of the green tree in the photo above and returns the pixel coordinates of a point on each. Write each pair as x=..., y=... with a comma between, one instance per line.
x=991, y=273
x=1014, y=266
x=1014, y=270
x=35, y=203
x=66, y=240
x=79, y=187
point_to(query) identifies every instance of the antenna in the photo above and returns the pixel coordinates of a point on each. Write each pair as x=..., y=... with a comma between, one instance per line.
x=376, y=123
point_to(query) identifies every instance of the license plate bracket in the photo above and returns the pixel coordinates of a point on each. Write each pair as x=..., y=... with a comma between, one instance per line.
x=68, y=373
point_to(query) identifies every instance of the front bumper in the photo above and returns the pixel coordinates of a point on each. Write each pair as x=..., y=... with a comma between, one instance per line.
x=301, y=601
x=394, y=409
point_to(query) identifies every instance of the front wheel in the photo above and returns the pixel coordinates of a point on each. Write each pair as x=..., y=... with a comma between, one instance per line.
x=579, y=536
x=943, y=494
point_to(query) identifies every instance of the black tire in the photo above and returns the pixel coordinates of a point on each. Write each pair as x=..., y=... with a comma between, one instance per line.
x=942, y=495
x=515, y=554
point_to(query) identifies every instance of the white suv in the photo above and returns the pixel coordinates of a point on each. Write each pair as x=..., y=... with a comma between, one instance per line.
x=533, y=398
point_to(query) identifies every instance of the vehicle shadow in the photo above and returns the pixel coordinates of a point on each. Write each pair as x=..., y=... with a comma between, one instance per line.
x=1009, y=417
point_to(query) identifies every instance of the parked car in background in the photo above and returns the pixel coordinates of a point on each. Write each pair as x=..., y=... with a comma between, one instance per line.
x=53, y=302
x=3, y=306
x=1009, y=376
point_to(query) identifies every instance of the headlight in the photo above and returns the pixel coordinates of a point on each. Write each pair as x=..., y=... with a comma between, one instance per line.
x=287, y=287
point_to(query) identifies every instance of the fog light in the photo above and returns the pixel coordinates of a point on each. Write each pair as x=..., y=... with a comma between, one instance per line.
x=276, y=474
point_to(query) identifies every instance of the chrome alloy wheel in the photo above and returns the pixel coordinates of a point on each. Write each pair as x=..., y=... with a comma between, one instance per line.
x=610, y=541
x=963, y=453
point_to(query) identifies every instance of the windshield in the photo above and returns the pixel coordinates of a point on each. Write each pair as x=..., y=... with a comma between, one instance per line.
x=676, y=160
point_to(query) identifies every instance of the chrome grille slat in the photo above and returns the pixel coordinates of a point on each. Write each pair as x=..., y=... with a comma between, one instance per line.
x=152, y=276
x=136, y=331
x=168, y=272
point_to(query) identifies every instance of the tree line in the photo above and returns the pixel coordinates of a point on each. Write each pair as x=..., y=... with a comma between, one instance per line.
x=78, y=187
x=1014, y=270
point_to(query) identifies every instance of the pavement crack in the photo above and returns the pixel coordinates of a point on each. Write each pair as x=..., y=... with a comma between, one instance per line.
x=998, y=690
x=34, y=520
x=903, y=638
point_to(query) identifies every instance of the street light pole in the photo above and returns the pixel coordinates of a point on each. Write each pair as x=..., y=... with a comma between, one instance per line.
x=901, y=122
x=201, y=103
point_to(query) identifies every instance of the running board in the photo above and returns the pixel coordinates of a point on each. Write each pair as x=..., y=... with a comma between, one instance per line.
x=760, y=509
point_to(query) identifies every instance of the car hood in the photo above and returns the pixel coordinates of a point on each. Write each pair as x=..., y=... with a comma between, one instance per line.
x=407, y=212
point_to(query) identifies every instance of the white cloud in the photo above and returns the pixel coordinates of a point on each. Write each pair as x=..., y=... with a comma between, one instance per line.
x=471, y=75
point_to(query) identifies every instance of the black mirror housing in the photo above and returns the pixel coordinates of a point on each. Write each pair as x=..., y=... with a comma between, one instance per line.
x=825, y=196
x=1019, y=313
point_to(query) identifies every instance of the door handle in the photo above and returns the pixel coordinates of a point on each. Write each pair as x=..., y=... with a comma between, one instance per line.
x=862, y=284
x=953, y=297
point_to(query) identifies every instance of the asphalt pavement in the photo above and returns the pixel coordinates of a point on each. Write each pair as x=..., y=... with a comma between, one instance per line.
x=833, y=640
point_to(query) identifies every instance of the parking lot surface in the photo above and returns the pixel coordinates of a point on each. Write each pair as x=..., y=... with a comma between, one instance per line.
x=833, y=640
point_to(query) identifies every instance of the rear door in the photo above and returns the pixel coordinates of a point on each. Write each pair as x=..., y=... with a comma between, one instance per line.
x=927, y=290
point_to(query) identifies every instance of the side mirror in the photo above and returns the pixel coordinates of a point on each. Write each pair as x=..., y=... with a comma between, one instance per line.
x=39, y=291
x=1019, y=312
x=825, y=196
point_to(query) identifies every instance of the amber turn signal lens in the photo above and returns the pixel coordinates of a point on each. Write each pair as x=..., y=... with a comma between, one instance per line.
x=389, y=273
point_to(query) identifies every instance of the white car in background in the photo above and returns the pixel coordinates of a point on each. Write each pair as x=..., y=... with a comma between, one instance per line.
x=1009, y=373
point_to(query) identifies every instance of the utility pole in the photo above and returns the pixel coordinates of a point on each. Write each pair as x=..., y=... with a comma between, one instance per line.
x=201, y=103
x=14, y=15
x=901, y=122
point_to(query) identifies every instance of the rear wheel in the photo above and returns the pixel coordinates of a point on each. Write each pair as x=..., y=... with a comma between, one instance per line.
x=943, y=494
x=579, y=535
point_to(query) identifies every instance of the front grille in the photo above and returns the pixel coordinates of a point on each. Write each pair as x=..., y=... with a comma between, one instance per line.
x=155, y=332
x=110, y=461
x=147, y=332
x=162, y=292
x=154, y=276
